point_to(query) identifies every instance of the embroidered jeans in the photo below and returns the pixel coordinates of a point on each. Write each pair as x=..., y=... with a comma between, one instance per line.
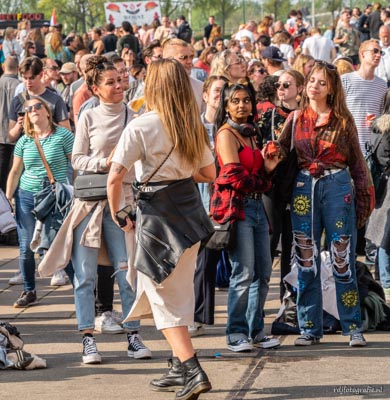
x=326, y=204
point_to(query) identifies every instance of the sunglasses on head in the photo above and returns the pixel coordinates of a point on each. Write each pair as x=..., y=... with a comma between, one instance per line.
x=284, y=85
x=36, y=106
x=322, y=63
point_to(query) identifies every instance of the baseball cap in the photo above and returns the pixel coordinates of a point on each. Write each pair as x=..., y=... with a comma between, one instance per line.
x=68, y=67
x=46, y=23
x=301, y=31
x=273, y=53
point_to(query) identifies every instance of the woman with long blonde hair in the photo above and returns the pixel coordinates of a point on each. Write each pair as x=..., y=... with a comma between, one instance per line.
x=169, y=148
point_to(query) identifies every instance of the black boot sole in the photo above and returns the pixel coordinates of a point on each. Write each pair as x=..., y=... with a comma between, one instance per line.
x=202, y=387
x=164, y=389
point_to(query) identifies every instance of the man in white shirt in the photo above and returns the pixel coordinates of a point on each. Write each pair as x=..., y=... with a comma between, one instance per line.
x=319, y=47
x=247, y=31
x=383, y=69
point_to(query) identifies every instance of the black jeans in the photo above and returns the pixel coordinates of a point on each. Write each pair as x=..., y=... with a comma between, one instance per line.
x=6, y=158
x=204, y=285
x=104, y=289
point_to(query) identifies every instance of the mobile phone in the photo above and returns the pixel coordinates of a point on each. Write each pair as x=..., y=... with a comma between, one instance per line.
x=21, y=113
x=122, y=214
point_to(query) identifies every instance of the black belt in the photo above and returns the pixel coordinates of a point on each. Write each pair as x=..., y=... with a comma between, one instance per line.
x=254, y=195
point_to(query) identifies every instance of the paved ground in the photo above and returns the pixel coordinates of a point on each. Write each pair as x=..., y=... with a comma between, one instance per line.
x=329, y=370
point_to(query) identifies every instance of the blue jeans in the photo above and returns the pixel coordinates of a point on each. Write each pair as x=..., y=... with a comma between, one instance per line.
x=327, y=203
x=384, y=267
x=84, y=260
x=24, y=204
x=251, y=271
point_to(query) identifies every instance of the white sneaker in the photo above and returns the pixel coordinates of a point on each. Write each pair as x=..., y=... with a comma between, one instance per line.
x=266, y=342
x=17, y=279
x=90, y=351
x=117, y=316
x=357, y=340
x=59, y=278
x=136, y=348
x=105, y=323
x=196, y=330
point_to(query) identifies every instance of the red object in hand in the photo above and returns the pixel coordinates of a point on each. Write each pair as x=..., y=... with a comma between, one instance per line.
x=272, y=149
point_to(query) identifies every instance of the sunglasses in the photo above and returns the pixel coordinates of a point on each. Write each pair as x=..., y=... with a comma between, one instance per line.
x=238, y=62
x=322, y=63
x=284, y=85
x=376, y=51
x=186, y=58
x=261, y=71
x=36, y=107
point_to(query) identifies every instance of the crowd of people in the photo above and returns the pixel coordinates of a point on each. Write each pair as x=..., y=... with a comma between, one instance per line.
x=202, y=128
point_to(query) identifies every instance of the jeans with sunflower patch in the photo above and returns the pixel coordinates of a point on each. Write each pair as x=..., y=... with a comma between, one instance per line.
x=327, y=203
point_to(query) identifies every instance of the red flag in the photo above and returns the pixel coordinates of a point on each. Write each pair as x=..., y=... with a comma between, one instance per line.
x=53, y=19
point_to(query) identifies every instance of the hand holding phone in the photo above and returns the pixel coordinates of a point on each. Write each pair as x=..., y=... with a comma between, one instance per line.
x=123, y=214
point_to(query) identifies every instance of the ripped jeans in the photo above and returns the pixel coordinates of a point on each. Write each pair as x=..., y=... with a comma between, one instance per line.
x=85, y=261
x=326, y=204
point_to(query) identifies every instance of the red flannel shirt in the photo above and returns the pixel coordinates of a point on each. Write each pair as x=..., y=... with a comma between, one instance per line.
x=329, y=146
x=232, y=183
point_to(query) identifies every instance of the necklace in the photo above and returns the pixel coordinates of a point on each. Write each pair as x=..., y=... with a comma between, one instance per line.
x=45, y=134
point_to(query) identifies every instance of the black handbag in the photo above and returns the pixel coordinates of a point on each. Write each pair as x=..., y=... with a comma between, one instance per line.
x=91, y=187
x=224, y=236
x=287, y=171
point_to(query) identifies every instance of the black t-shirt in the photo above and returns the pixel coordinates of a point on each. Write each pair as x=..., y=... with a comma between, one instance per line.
x=207, y=31
x=109, y=42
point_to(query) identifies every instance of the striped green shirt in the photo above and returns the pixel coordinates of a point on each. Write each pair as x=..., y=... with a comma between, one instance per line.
x=56, y=147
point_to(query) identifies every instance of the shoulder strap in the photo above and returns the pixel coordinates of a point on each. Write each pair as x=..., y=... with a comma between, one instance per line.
x=235, y=135
x=293, y=129
x=42, y=154
x=273, y=124
x=143, y=184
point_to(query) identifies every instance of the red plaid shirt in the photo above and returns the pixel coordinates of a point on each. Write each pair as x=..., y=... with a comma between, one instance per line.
x=232, y=183
x=329, y=146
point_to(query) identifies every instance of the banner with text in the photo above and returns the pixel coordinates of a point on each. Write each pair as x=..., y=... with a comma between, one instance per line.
x=143, y=12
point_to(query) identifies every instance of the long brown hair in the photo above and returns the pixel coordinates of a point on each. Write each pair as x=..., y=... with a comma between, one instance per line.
x=336, y=97
x=168, y=92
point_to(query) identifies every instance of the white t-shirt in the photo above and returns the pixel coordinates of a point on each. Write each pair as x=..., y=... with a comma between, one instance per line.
x=319, y=47
x=144, y=144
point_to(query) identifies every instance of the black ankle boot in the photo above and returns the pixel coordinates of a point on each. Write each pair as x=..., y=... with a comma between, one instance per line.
x=174, y=379
x=195, y=380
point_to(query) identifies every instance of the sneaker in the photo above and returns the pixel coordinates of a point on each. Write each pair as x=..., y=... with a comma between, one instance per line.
x=105, y=323
x=387, y=293
x=59, y=278
x=357, y=340
x=90, y=351
x=17, y=279
x=136, y=348
x=306, y=340
x=26, y=299
x=240, y=346
x=196, y=330
x=117, y=316
x=266, y=342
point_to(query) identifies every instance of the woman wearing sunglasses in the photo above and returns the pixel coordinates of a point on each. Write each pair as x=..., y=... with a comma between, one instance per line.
x=229, y=64
x=27, y=177
x=289, y=88
x=245, y=173
x=333, y=192
x=256, y=73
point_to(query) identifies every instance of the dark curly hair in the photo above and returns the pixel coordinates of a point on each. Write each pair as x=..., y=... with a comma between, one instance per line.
x=95, y=68
x=267, y=89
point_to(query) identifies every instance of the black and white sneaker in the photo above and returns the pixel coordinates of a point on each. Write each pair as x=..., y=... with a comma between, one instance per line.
x=136, y=348
x=90, y=351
